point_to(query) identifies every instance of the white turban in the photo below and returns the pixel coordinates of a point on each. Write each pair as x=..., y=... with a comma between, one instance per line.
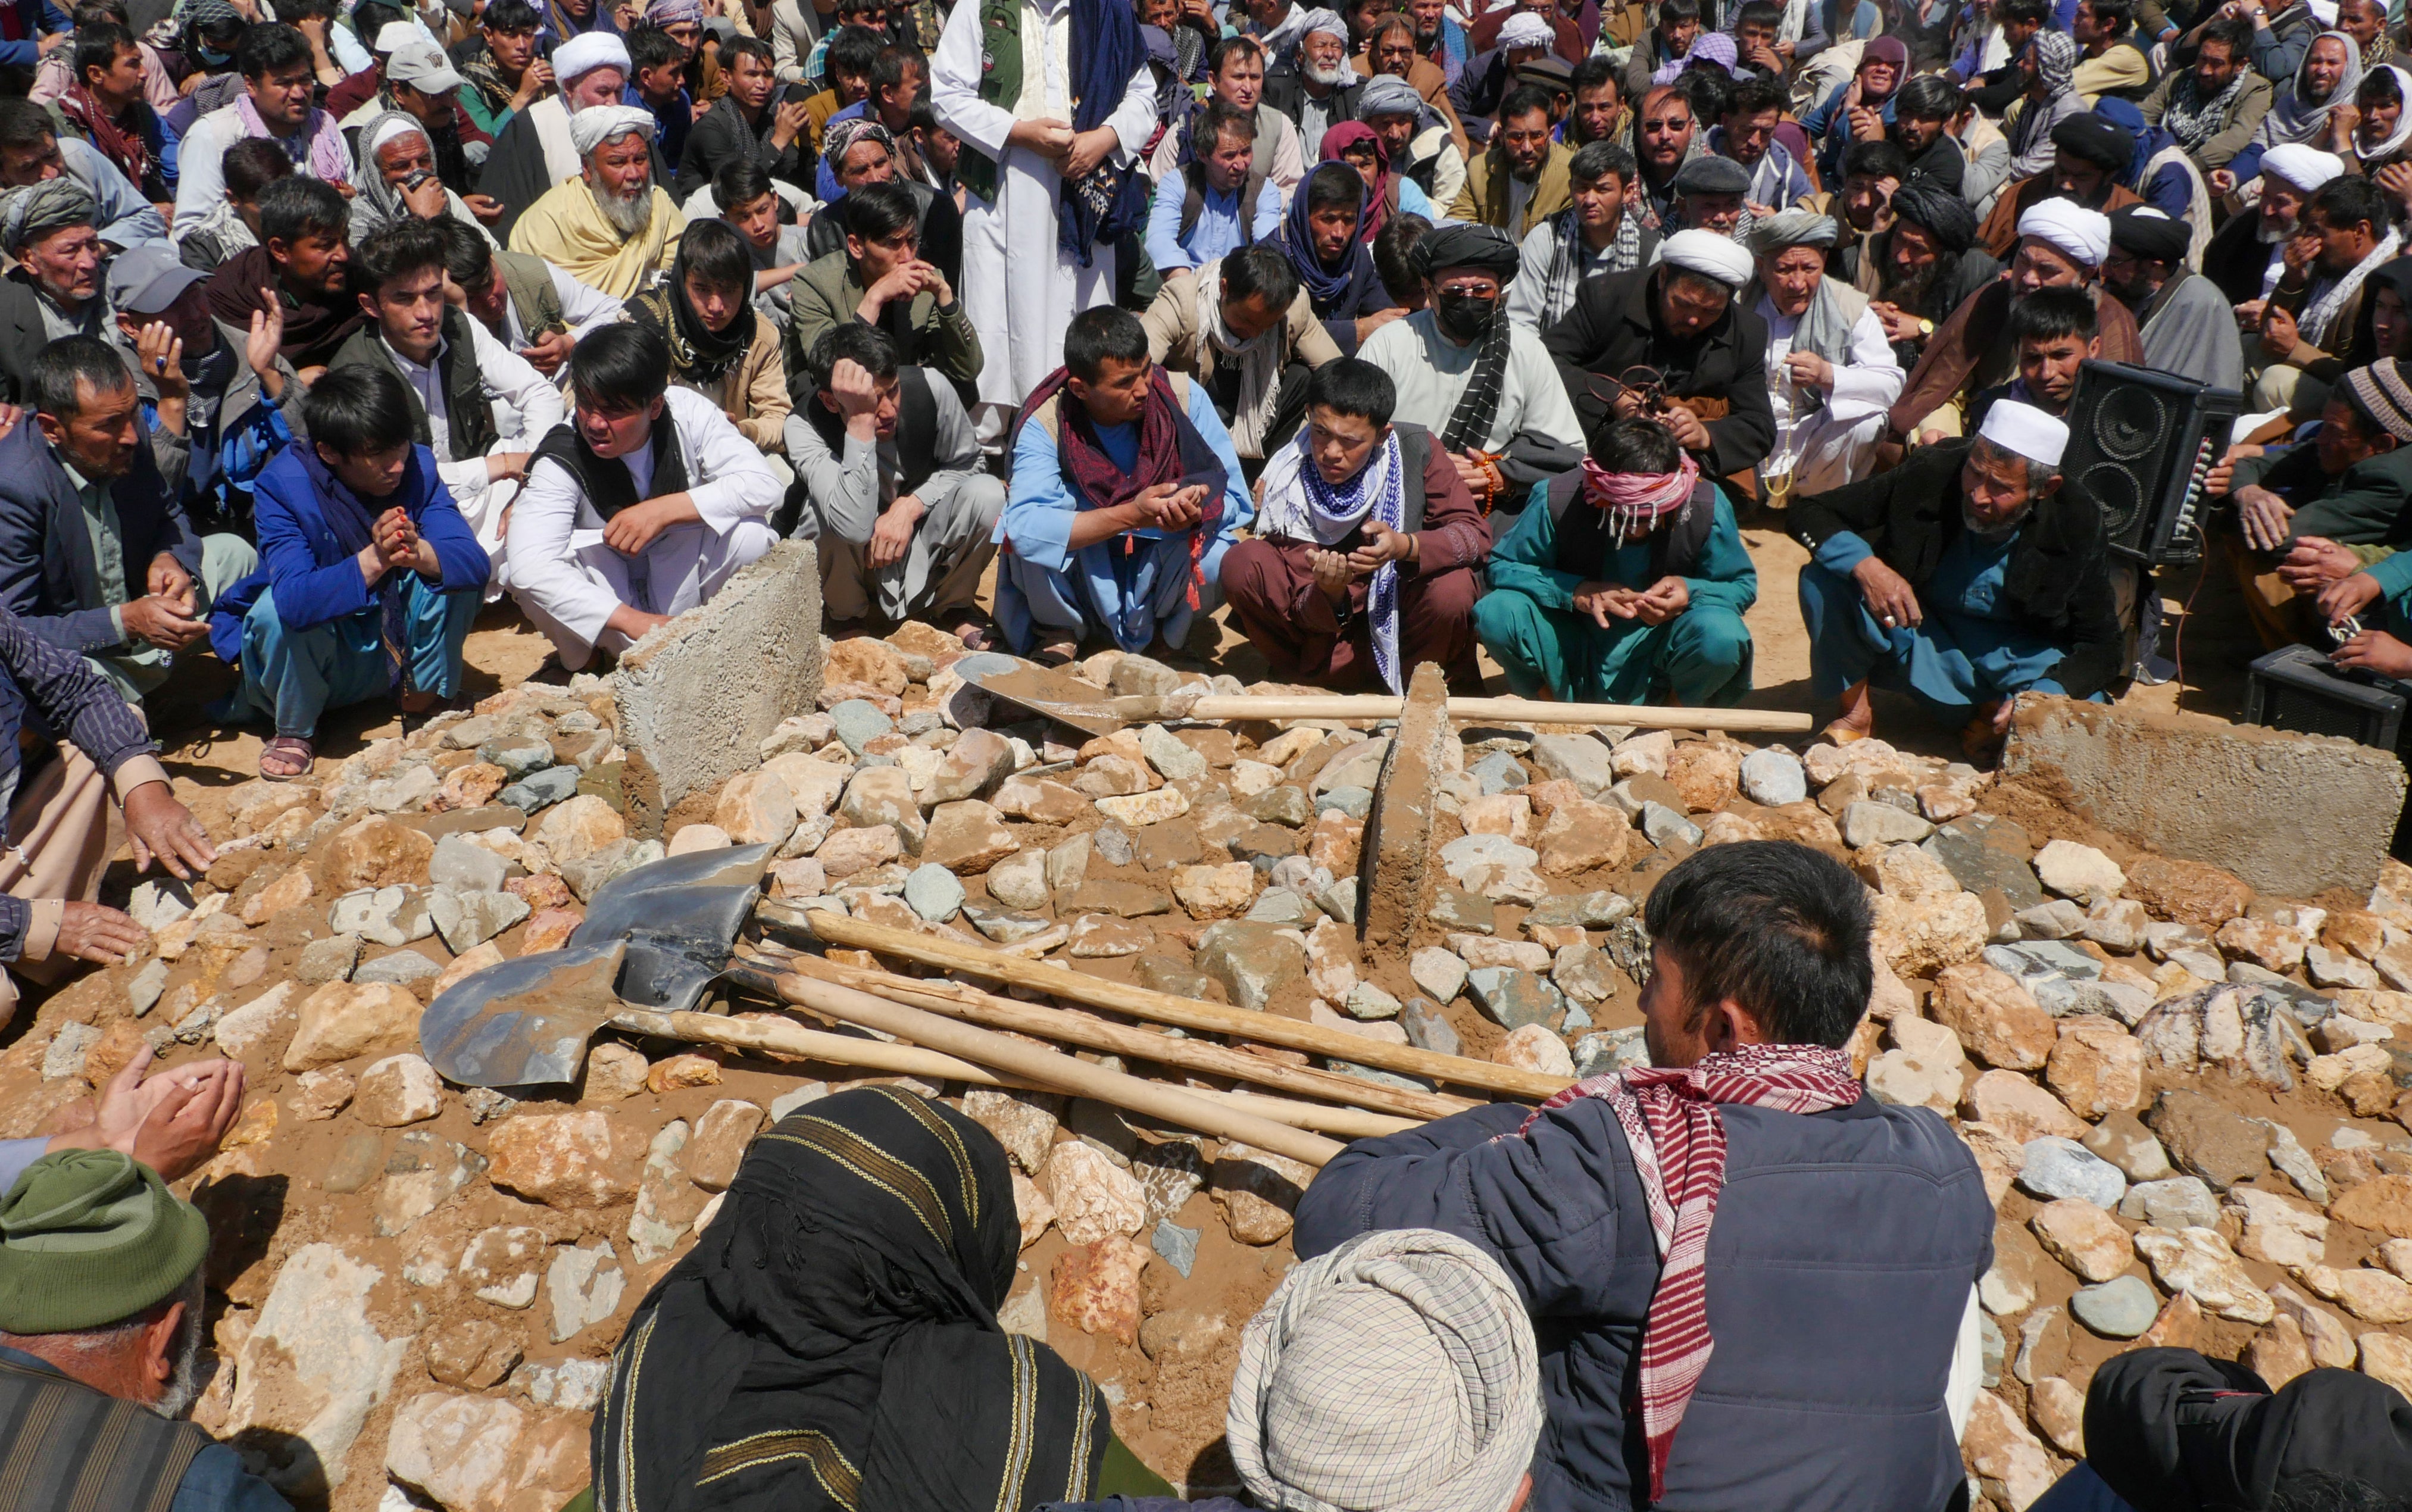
x=1709, y=255
x=591, y=127
x=2026, y=431
x=2083, y=234
x=1397, y=1373
x=395, y=127
x=1328, y=21
x=2302, y=167
x=585, y=53
x=1525, y=29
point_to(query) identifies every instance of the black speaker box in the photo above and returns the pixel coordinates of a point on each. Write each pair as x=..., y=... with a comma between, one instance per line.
x=2296, y=689
x=2142, y=444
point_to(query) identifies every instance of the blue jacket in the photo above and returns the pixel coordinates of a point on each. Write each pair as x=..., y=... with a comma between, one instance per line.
x=45, y=548
x=316, y=578
x=35, y=19
x=1839, y=1268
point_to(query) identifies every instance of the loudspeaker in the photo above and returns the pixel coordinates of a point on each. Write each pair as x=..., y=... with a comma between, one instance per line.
x=2142, y=443
x=2296, y=689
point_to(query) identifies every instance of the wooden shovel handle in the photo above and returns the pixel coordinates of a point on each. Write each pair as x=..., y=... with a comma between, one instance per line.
x=1517, y=711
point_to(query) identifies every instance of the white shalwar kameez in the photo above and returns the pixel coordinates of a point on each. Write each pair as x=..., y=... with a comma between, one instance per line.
x=1834, y=443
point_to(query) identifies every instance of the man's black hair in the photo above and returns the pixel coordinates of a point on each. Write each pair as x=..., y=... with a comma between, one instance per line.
x=2234, y=31
x=888, y=69
x=2112, y=17
x=1334, y=186
x=1705, y=87
x=1639, y=445
x=370, y=16
x=397, y=252
x=252, y=164
x=1524, y=100
x=619, y=368
x=923, y=116
x=854, y=51
x=650, y=47
x=1593, y=159
x=2378, y=87
x=2052, y=314
x=1779, y=928
x=2034, y=12
x=63, y=364
x=1218, y=117
x=719, y=254
x=25, y=124
x=298, y=205
x=359, y=411
x=1595, y=71
x=271, y=48
x=1875, y=160
x=468, y=257
x=1677, y=10
x=1101, y=335
x=96, y=45
x=1929, y=97
x=2350, y=200
x=1231, y=47
x=734, y=48
x=1392, y=245
x=511, y=17
x=1758, y=13
x=1353, y=386
x=742, y=180
x=1754, y=94
x=878, y=212
x=1262, y=271
x=850, y=340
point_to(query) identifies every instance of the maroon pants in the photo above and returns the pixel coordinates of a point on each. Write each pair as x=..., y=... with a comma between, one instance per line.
x=1271, y=589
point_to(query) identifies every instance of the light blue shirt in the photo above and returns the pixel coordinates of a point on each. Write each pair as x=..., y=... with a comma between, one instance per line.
x=1217, y=230
x=126, y=220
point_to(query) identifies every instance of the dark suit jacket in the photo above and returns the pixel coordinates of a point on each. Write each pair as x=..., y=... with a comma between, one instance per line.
x=45, y=547
x=2236, y=257
x=1613, y=327
x=720, y=137
x=1285, y=92
x=23, y=336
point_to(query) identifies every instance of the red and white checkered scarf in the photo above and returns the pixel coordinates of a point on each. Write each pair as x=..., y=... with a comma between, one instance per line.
x=1677, y=1139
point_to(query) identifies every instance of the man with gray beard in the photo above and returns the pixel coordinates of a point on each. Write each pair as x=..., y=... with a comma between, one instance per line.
x=1320, y=90
x=611, y=228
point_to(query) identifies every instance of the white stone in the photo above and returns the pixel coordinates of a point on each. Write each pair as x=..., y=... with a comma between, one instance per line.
x=313, y=1366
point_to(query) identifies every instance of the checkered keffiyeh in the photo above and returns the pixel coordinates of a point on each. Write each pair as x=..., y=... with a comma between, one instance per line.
x=1678, y=1139
x=1397, y=1373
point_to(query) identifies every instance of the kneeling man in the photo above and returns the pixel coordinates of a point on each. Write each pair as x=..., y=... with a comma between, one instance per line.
x=639, y=507
x=1628, y=584
x=1970, y=573
x=1366, y=542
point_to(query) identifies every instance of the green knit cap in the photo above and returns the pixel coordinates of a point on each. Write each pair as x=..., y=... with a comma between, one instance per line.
x=89, y=1238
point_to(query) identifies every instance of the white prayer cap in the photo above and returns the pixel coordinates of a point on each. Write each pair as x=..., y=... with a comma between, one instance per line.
x=591, y=127
x=585, y=53
x=2026, y=431
x=1327, y=21
x=1525, y=29
x=2083, y=234
x=395, y=33
x=1708, y=253
x=2302, y=167
x=394, y=127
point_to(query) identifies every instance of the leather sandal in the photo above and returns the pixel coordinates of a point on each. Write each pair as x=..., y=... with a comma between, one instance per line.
x=288, y=748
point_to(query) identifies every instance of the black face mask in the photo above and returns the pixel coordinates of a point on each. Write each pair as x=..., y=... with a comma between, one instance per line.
x=1463, y=316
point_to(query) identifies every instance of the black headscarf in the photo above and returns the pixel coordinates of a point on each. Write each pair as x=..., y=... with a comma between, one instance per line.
x=699, y=354
x=832, y=1344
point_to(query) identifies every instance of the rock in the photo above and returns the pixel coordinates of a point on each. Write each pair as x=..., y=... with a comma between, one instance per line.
x=966, y=836
x=2269, y=945
x=2240, y=1029
x=847, y=852
x=1916, y=939
x=2005, y=1457
x=2121, y=1308
x=614, y=1072
x=400, y=969
x=2382, y=1205
x=2279, y=1353
x=1253, y=961
x=1868, y=823
x=469, y=919
x=932, y=891
x=2125, y=1142
x=2204, y=1138
x=1708, y=774
x=1581, y=836
x=501, y=1265
x=287, y=892
x=398, y=1090
x=373, y=853
x=572, y=1161
x=1536, y=1048
x=2081, y=872
x=1668, y=830
x=549, y=929
x=1513, y=998
x=540, y=790
x=1772, y=777
x=1095, y=936
x=462, y=865
x=1993, y=1016
x=2058, y=919
x=2383, y=1357
x=343, y=1019
x=884, y=796
x=2198, y=1262
x=1023, y=1121
x=2278, y=1231
x=1019, y=881
x=424, y=1173
x=2018, y=1108
x=312, y=1369
x=582, y=1287
x=2331, y=1342
x=1584, y=974
x=1137, y=810
x=1095, y=1287
x=2081, y=1237
x=976, y=762
x=2096, y=1068
x=2057, y=1167
x=472, y=1352
x=2175, y=1202
x=1044, y=801
x=2190, y=892
x=1576, y=759
x=1257, y=1191
x=1908, y=872
x=2117, y=925
x=858, y=722
x=1094, y=1197
x=1176, y=1245
x=719, y=1142
x=1210, y=892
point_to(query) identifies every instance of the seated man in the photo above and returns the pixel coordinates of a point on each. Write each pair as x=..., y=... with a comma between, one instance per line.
x=1244, y=330
x=2248, y=254
x=2011, y=589
x=2090, y=156
x=396, y=178
x=372, y=576
x=1628, y=581
x=32, y=152
x=1747, y=137
x=1682, y=320
x=861, y=152
x=1601, y=232
x=1923, y=114
x=533, y=308
x=1473, y=378
x=2113, y=64
x=1873, y=173
x=296, y=281
x=2052, y=333
x=536, y=150
x=1922, y=267
x=2346, y=487
x=1334, y=263
x=1712, y=194
x=1520, y=180
x=743, y=195
x=1426, y=165
x=87, y=519
x=894, y=491
x=2214, y=108
x=1793, y=1195
x=1213, y=203
x=502, y=67
x=611, y=228
x=2187, y=325
x=1235, y=75
x=55, y=290
x=879, y=278
x=639, y=507
x=2310, y=321
x=1124, y=495
x=1830, y=373
x=720, y=345
x=1366, y=542
x=476, y=404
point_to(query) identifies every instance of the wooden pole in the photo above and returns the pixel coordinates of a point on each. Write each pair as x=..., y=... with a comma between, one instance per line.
x=1050, y=1068
x=1519, y=711
x=956, y=954
x=956, y=1001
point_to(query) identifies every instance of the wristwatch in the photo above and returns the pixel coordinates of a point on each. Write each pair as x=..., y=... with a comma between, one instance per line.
x=1925, y=328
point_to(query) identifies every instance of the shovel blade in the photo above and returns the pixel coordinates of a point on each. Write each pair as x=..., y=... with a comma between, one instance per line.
x=1054, y=695
x=524, y=1022
x=679, y=917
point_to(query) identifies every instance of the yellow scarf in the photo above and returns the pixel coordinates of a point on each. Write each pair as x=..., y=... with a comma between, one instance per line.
x=569, y=230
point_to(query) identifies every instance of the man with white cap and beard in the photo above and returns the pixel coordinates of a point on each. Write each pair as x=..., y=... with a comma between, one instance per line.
x=1968, y=575
x=2060, y=245
x=611, y=228
x=536, y=150
x=1673, y=344
x=1831, y=373
x=2246, y=255
x=2188, y=324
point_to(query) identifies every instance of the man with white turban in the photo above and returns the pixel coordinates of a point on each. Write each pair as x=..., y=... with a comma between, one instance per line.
x=1322, y=89
x=1830, y=372
x=536, y=152
x=611, y=228
x=2312, y=325
x=2248, y=254
x=1676, y=344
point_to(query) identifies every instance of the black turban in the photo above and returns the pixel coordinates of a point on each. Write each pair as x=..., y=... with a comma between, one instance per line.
x=1940, y=213
x=2101, y=142
x=2147, y=232
x=1462, y=245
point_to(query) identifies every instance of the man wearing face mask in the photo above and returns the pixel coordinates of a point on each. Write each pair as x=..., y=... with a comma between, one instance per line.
x=1244, y=328
x=1673, y=344
x=1830, y=373
x=1467, y=373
